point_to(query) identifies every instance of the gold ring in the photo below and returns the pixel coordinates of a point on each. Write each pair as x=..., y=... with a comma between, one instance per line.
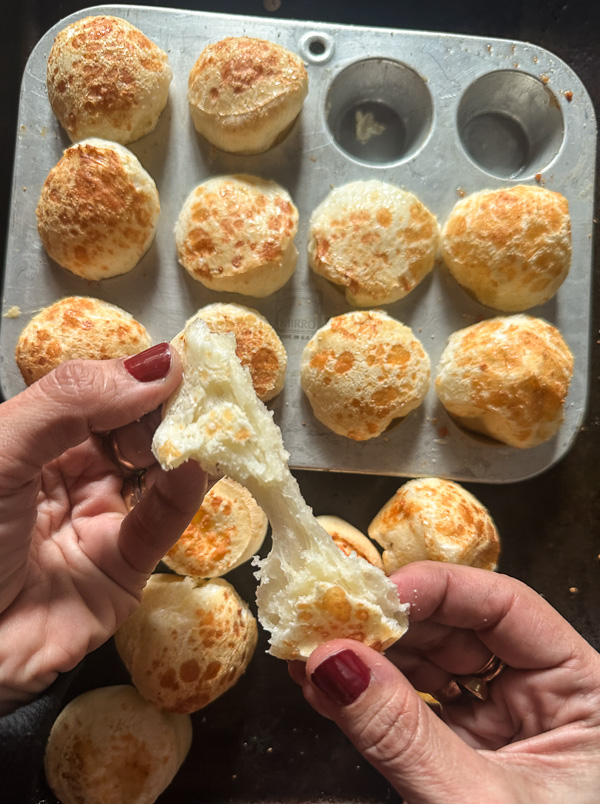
x=114, y=452
x=492, y=668
x=474, y=686
x=134, y=488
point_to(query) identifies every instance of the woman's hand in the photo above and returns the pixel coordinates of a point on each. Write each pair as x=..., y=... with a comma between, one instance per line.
x=536, y=738
x=73, y=561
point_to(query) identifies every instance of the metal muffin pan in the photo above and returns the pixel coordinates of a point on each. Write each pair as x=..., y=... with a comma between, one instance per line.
x=456, y=115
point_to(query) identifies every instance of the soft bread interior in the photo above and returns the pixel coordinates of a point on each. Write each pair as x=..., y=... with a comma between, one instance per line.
x=309, y=590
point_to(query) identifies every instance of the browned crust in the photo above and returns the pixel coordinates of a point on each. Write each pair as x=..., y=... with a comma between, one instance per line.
x=90, y=210
x=98, y=68
x=77, y=327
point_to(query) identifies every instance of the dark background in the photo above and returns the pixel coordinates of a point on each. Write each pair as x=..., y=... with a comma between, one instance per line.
x=261, y=742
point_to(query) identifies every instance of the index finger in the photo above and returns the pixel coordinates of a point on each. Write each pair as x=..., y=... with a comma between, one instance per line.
x=506, y=615
x=162, y=515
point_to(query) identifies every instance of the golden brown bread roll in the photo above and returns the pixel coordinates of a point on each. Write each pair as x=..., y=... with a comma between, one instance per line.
x=348, y=539
x=309, y=590
x=77, y=327
x=362, y=370
x=438, y=520
x=258, y=346
x=236, y=234
x=510, y=248
x=188, y=642
x=98, y=210
x=507, y=378
x=373, y=239
x=228, y=529
x=244, y=93
x=110, y=746
x=106, y=79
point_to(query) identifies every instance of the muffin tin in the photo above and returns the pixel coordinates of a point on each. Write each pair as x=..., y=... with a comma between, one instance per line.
x=453, y=115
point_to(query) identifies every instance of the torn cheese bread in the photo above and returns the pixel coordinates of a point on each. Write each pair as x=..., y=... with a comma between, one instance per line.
x=309, y=590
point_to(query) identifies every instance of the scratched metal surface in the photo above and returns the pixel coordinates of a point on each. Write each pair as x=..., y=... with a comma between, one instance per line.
x=452, y=127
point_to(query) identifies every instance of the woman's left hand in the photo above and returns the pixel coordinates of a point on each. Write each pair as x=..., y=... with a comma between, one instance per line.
x=73, y=560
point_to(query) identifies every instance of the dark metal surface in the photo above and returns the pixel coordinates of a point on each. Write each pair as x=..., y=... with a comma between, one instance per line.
x=261, y=742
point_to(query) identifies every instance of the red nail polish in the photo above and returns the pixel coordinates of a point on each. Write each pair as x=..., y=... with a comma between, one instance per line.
x=342, y=677
x=152, y=364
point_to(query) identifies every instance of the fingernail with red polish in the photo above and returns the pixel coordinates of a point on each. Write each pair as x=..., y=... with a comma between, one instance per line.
x=342, y=677
x=152, y=364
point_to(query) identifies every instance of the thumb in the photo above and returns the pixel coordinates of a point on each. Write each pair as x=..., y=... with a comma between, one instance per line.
x=383, y=715
x=78, y=398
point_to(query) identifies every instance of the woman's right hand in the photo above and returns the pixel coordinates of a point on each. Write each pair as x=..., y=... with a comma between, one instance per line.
x=535, y=739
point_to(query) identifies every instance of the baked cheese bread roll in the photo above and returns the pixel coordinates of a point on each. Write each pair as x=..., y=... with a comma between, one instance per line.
x=188, y=642
x=110, y=745
x=509, y=248
x=309, y=590
x=258, y=346
x=77, y=327
x=362, y=370
x=349, y=539
x=106, y=79
x=373, y=239
x=507, y=378
x=236, y=234
x=244, y=93
x=98, y=210
x=227, y=530
x=437, y=520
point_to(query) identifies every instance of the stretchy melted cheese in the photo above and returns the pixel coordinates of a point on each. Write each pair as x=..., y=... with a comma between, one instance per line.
x=309, y=590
